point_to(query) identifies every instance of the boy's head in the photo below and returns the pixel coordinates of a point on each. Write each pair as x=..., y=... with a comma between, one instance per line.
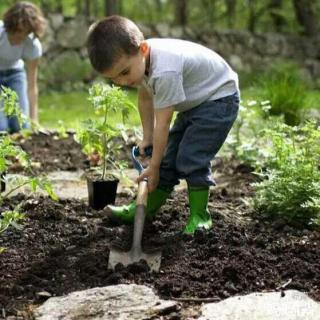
x=22, y=19
x=117, y=49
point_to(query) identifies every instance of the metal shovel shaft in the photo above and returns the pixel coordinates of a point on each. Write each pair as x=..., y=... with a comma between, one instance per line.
x=141, y=204
x=136, y=254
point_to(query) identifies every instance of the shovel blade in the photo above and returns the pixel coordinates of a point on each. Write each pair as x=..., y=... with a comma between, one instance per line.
x=126, y=258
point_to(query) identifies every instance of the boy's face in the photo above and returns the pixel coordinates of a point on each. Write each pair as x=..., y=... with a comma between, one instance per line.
x=129, y=70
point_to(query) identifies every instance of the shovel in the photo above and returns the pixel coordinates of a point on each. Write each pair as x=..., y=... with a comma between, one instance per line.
x=136, y=254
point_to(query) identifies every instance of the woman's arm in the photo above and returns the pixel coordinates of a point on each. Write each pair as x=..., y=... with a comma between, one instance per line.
x=32, y=75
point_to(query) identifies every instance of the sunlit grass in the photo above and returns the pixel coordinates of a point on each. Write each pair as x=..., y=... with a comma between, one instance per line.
x=72, y=107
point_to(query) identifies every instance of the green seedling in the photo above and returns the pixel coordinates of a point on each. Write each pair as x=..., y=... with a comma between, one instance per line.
x=10, y=153
x=10, y=106
x=99, y=136
x=10, y=218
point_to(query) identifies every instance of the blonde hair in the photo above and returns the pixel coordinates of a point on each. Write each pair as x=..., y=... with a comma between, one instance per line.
x=27, y=16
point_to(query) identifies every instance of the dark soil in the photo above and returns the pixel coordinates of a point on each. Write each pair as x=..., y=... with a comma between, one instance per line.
x=64, y=247
x=50, y=152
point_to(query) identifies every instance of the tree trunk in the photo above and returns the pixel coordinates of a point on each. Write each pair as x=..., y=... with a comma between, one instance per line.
x=181, y=12
x=306, y=15
x=79, y=7
x=86, y=9
x=231, y=12
x=59, y=7
x=252, y=16
x=278, y=20
x=45, y=7
x=111, y=7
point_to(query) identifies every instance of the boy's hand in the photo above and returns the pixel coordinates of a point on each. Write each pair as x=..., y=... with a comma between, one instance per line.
x=152, y=174
x=142, y=145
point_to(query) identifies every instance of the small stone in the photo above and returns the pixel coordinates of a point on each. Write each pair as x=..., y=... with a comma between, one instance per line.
x=44, y=294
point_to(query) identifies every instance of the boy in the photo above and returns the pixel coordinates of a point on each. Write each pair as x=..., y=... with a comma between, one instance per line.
x=171, y=75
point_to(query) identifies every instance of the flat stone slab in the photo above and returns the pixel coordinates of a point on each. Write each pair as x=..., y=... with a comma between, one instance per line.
x=294, y=305
x=125, y=302
x=68, y=184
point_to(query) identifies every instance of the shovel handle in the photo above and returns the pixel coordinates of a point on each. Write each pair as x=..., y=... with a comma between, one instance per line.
x=141, y=204
x=142, y=196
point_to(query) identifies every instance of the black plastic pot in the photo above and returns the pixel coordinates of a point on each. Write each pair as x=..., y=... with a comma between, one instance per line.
x=101, y=193
x=2, y=183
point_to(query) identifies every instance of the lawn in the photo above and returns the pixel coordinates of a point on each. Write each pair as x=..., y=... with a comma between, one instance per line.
x=72, y=107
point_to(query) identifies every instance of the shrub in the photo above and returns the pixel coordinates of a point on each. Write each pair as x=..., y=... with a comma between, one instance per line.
x=245, y=139
x=291, y=188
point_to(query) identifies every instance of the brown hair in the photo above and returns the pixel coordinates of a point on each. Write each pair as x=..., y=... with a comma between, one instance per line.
x=111, y=37
x=25, y=15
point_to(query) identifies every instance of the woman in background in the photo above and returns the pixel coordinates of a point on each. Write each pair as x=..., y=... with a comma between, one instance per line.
x=22, y=26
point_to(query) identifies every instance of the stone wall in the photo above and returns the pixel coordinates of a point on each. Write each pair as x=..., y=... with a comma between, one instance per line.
x=65, y=57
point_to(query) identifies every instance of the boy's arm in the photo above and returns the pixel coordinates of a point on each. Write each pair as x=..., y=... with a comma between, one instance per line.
x=160, y=137
x=146, y=111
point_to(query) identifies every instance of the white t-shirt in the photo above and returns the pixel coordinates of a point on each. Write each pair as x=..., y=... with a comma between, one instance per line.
x=184, y=74
x=11, y=57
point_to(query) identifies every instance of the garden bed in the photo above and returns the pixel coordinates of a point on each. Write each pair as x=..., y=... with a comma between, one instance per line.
x=64, y=247
x=49, y=152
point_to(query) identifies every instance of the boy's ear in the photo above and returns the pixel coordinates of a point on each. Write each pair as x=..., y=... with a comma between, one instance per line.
x=144, y=48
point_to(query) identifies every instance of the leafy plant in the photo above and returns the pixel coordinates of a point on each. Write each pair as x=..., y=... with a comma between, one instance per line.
x=285, y=89
x=9, y=152
x=245, y=139
x=99, y=135
x=61, y=130
x=10, y=106
x=10, y=218
x=291, y=188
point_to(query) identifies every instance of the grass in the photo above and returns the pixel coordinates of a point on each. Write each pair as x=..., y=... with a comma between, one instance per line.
x=312, y=99
x=72, y=107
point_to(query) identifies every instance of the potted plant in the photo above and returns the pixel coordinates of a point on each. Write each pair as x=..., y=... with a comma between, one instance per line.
x=97, y=137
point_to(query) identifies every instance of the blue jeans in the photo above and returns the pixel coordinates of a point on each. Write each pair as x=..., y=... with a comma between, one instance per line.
x=194, y=140
x=16, y=80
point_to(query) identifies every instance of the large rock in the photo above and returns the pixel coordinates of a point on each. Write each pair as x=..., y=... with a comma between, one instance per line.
x=114, y=302
x=294, y=305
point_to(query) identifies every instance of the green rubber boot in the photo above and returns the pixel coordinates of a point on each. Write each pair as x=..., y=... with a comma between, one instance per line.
x=125, y=214
x=199, y=214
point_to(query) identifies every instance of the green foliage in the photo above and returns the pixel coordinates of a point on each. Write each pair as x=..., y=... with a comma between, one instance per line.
x=65, y=71
x=291, y=188
x=62, y=131
x=10, y=218
x=285, y=89
x=245, y=139
x=98, y=135
x=9, y=151
x=10, y=106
